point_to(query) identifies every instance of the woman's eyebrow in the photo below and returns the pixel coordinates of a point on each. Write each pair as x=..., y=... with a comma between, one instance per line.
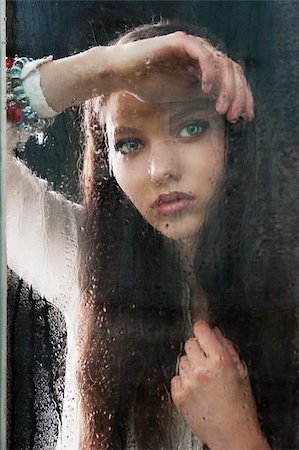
x=201, y=106
x=122, y=131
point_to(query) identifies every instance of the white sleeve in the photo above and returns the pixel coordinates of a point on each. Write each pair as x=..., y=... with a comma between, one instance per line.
x=42, y=232
x=32, y=87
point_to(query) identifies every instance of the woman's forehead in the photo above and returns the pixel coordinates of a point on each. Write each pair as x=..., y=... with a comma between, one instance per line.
x=123, y=107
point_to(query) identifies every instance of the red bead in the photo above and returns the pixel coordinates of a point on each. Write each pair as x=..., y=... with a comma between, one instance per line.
x=14, y=113
x=9, y=62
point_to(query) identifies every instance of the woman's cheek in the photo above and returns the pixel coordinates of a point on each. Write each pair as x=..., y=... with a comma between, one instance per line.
x=214, y=163
x=129, y=183
x=118, y=169
x=130, y=172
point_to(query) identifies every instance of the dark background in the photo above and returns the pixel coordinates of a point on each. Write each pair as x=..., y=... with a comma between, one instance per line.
x=265, y=37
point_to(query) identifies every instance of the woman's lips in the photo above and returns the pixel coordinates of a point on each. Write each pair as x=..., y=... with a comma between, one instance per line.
x=172, y=203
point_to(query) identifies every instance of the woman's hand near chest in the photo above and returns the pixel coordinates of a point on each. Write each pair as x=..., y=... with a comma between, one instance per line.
x=213, y=393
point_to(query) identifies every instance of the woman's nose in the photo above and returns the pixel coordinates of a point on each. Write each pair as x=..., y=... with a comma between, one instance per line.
x=163, y=164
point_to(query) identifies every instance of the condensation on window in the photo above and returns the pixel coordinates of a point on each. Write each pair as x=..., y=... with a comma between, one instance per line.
x=168, y=214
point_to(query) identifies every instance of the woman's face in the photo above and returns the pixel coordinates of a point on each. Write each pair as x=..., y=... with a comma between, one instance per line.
x=167, y=158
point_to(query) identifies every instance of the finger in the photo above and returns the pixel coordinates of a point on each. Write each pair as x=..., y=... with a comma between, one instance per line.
x=238, y=105
x=207, y=339
x=232, y=351
x=227, y=86
x=184, y=367
x=224, y=82
x=176, y=383
x=234, y=92
x=229, y=346
x=176, y=390
x=194, y=352
x=207, y=61
x=249, y=113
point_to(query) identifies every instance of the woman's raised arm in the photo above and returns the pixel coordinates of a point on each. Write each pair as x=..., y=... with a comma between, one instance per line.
x=138, y=67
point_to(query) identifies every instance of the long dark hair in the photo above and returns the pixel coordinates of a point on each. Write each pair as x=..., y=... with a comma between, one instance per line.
x=133, y=313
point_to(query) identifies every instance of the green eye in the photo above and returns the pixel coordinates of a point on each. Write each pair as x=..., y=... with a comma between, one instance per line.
x=193, y=129
x=127, y=146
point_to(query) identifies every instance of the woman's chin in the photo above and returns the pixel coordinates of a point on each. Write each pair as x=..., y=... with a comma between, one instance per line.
x=178, y=233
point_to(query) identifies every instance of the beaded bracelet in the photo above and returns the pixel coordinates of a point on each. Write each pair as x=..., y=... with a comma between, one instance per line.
x=18, y=105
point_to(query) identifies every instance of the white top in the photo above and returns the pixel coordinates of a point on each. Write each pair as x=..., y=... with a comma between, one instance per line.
x=43, y=233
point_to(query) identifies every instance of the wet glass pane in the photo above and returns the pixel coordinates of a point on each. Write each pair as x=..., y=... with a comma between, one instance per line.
x=152, y=228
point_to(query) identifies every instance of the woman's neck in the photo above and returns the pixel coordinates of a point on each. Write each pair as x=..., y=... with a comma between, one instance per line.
x=198, y=301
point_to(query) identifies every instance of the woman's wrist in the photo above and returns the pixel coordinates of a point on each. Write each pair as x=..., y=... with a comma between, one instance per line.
x=25, y=104
x=252, y=441
x=70, y=81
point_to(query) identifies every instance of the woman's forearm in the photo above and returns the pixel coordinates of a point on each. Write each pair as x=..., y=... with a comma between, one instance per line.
x=241, y=441
x=139, y=68
x=70, y=81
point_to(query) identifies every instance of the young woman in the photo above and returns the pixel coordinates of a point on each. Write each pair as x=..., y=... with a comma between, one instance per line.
x=157, y=240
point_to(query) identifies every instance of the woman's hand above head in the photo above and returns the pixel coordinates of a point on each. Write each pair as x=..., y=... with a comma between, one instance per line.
x=172, y=67
x=179, y=66
x=213, y=393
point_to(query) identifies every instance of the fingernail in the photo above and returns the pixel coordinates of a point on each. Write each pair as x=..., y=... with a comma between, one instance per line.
x=222, y=107
x=231, y=117
x=251, y=115
x=217, y=331
x=235, y=116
